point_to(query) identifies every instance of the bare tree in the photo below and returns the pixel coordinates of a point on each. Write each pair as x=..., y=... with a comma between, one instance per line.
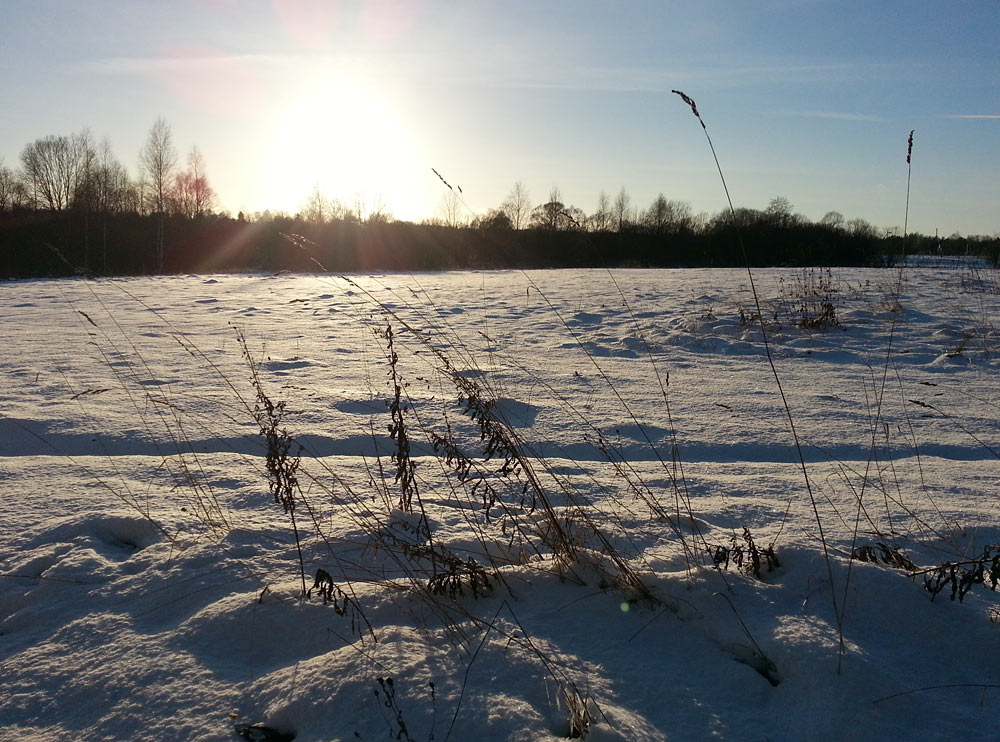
x=833, y=219
x=667, y=216
x=379, y=212
x=81, y=162
x=9, y=188
x=450, y=209
x=779, y=212
x=496, y=220
x=191, y=195
x=740, y=218
x=317, y=209
x=657, y=217
x=555, y=215
x=157, y=161
x=573, y=218
x=621, y=211
x=860, y=228
x=110, y=191
x=546, y=216
x=38, y=173
x=203, y=195
x=600, y=220
x=53, y=168
x=85, y=156
x=114, y=188
x=517, y=206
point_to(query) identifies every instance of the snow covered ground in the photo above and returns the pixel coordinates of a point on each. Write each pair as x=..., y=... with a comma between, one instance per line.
x=150, y=586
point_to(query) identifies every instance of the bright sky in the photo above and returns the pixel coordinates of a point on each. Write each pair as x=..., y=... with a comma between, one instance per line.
x=807, y=99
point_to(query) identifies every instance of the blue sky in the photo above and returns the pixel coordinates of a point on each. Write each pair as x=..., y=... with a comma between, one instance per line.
x=806, y=99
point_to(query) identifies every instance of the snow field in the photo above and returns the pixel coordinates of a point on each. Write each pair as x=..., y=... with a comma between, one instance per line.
x=150, y=584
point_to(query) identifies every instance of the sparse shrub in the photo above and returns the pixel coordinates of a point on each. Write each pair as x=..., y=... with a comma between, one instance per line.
x=882, y=553
x=580, y=718
x=405, y=467
x=748, y=557
x=281, y=464
x=387, y=698
x=813, y=293
x=324, y=582
x=343, y=604
x=450, y=583
x=962, y=576
x=747, y=318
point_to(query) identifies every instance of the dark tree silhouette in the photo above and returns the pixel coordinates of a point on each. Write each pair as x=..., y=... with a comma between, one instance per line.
x=52, y=169
x=192, y=195
x=517, y=206
x=10, y=188
x=157, y=161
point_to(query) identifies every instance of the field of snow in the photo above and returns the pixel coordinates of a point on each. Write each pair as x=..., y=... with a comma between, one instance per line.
x=542, y=539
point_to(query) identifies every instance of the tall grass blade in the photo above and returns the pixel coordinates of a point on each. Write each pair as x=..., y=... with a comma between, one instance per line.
x=774, y=372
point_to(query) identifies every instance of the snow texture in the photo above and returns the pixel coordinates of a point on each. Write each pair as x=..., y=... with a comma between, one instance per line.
x=150, y=585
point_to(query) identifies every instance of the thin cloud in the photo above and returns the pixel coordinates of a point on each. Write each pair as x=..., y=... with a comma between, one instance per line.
x=265, y=66
x=527, y=72
x=145, y=65
x=835, y=115
x=973, y=116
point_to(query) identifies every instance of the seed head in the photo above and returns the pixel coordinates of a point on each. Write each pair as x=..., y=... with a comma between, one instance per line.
x=690, y=101
x=441, y=178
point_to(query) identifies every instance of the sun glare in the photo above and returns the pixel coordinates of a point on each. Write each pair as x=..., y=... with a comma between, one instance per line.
x=343, y=136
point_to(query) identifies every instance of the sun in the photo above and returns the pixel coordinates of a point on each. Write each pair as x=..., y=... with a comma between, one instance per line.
x=341, y=134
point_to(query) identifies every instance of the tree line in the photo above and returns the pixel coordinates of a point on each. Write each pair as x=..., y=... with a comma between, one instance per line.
x=72, y=207
x=63, y=174
x=76, y=172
